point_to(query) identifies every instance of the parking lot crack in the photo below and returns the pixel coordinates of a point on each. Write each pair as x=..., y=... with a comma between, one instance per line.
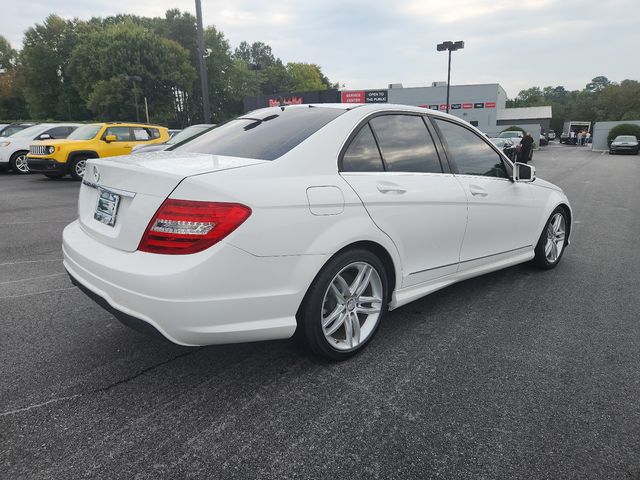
x=98, y=390
x=142, y=372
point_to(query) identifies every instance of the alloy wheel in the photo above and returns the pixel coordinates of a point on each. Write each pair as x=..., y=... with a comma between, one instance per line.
x=21, y=163
x=352, y=306
x=555, y=237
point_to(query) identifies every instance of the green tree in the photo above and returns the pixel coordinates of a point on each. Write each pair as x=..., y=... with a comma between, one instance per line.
x=597, y=84
x=45, y=54
x=306, y=77
x=618, y=102
x=8, y=56
x=102, y=58
x=623, y=129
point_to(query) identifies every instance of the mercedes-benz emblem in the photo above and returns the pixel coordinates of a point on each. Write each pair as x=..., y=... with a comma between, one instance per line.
x=96, y=174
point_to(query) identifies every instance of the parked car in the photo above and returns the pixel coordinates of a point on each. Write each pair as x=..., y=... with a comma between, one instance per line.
x=318, y=218
x=514, y=135
x=507, y=147
x=14, y=149
x=181, y=136
x=10, y=129
x=56, y=158
x=624, y=144
x=551, y=134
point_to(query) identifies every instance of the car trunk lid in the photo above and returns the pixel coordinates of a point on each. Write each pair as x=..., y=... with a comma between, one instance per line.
x=120, y=195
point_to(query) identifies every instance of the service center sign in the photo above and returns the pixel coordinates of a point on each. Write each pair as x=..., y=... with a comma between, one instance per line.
x=364, y=96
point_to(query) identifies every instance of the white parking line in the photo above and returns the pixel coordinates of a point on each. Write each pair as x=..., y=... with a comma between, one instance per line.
x=38, y=293
x=33, y=278
x=19, y=262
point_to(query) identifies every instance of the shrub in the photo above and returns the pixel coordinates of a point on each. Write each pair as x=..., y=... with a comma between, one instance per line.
x=511, y=129
x=623, y=129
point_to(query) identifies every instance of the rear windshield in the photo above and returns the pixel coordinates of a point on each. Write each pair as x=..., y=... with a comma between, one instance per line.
x=262, y=135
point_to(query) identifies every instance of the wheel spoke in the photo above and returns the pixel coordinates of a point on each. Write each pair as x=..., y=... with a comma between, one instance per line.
x=355, y=328
x=361, y=282
x=348, y=330
x=333, y=315
x=337, y=294
x=337, y=324
x=547, y=248
x=344, y=286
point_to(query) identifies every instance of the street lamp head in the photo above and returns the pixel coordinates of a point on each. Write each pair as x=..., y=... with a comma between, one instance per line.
x=451, y=46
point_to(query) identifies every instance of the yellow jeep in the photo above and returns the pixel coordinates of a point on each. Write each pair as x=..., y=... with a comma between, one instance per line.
x=56, y=158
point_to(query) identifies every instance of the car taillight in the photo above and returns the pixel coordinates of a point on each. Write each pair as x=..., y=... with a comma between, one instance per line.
x=184, y=226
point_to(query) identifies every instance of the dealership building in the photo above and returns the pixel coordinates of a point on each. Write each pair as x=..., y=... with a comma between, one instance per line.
x=482, y=105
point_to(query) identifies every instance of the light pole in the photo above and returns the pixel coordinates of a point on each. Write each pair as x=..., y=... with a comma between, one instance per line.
x=256, y=67
x=451, y=46
x=202, y=54
x=133, y=79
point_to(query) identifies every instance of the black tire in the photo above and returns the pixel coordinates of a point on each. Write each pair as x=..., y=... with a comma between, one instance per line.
x=310, y=313
x=542, y=258
x=54, y=176
x=76, y=166
x=18, y=163
x=611, y=152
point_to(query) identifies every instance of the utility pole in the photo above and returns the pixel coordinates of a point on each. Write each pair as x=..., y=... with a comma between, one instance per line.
x=202, y=54
x=133, y=79
x=257, y=67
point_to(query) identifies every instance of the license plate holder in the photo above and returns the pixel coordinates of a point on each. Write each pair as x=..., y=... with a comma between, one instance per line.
x=107, y=207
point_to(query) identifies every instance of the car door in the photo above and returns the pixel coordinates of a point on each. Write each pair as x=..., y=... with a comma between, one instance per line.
x=123, y=143
x=502, y=213
x=393, y=165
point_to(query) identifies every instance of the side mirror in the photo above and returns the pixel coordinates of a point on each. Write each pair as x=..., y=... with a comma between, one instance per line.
x=110, y=138
x=44, y=136
x=523, y=172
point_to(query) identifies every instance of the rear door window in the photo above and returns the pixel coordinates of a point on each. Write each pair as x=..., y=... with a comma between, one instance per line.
x=141, y=134
x=406, y=144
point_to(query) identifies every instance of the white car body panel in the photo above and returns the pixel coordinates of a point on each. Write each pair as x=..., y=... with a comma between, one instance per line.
x=250, y=285
x=20, y=143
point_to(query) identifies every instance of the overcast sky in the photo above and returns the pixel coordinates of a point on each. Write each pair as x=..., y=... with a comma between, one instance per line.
x=369, y=44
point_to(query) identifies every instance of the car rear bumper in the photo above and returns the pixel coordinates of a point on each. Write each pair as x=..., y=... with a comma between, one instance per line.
x=221, y=295
x=45, y=165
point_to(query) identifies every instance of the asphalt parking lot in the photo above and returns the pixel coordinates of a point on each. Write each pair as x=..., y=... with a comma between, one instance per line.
x=518, y=374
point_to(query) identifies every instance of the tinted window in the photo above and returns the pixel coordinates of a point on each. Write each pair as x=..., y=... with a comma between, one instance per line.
x=59, y=132
x=141, y=134
x=263, y=135
x=362, y=155
x=471, y=154
x=122, y=133
x=405, y=144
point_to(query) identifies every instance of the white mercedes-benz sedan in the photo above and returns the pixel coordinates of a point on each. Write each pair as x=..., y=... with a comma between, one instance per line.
x=316, y=218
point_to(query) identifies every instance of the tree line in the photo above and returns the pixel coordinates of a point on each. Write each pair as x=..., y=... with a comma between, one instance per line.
x=600, y=100
x=88, y=70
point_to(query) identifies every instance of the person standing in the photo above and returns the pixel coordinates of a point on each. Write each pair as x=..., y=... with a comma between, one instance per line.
x=526, y=145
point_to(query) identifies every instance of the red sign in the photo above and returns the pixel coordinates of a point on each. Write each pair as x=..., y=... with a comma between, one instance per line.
x=467, y=105
x=355, y=96
x=274, y=102
x=489, y=104
x=443, y=106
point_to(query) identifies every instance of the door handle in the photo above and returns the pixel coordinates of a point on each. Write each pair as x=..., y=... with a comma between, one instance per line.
x=478, y=191
x=390, y=188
